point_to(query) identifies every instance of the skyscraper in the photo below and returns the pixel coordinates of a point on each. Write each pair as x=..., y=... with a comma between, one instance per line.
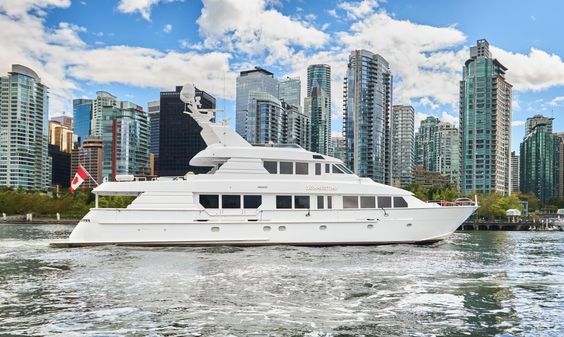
x=82, y=117
x=154, y=109
x=403, y=125
x=264, y=119
x=24, y=160
x=89, y=155
x=290, y=91
x=61, y=136
x=559, y=137
x=367, y=115
x=318, y=106
x=256, y=80
x=295, y=126
x=60, y=166
x=65, y=121
x=515, y=172
x=539, y=155
x=485, y=123
x=424, y=143
x=179, y=138
x=338, y=148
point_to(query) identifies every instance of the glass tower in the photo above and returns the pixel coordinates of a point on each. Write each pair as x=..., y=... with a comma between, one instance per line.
x=318, y=106
x=24, y=114
x=403, y=125
x=485, y=124
x=82, y=117
x=289, y=91
x=367, y=116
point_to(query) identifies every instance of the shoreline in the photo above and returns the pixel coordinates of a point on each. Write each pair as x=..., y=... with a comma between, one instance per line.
x=40, y=221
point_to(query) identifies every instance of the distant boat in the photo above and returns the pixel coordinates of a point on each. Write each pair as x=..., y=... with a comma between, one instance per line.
x=263, y=195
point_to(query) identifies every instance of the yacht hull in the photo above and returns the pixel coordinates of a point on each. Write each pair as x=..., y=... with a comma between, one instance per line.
x=305, y=227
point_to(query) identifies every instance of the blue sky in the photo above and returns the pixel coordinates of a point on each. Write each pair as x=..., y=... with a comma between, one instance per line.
x=135, y=48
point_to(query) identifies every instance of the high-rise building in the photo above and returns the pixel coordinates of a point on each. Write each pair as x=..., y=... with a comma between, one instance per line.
x=82, y=117
x=367, y=116
x=318, y=106
x=295, y=126
x=485, y=123
x=89, y=155
x=65, y=121
x=256, y=80
x=60, y=166
x=154, y=109
x=539, y=159
x=180, y=139
x=338, y=148
x=264, y=119
x=515, y=169
x=403, y=125
x=24, y=114
x=290, y=91
x=424, y=146
x=559, y=138
x=105, y=104
x=61, y=135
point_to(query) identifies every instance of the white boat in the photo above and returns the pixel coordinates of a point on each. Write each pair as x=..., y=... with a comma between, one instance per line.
x=262, y=195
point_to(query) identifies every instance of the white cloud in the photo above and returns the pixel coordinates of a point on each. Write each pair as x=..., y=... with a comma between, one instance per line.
x=358, y=9
x=336, y=134
x=446, y=117
x=248, y=27
x=419, y=117
x=516, y=104
x=517, y=123
x=535, y=71
x=143, y=7
x=18, y=8
x=167, y=28
x=556, y=101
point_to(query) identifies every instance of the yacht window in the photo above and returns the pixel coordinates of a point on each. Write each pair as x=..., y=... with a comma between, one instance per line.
x=400, y=202
x=367, y=202
x=301, y=201
x=318, y=156
x=329, y=202
x=320, y=202
x=344, y=169
x=302, y=168
x=283, y=201
x=271, y=166
x=350, y=201
x=252, y=201
x=209, y=200
x=230, y=201
x=337, y=170
x=317, y=169
x=384, y=202
x=286, y=167
x=327, y=168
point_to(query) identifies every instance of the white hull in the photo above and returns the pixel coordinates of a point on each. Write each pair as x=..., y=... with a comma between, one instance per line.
x=160, y=227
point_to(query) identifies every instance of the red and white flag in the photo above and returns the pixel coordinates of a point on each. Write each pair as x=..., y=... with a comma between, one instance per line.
x=80, y=176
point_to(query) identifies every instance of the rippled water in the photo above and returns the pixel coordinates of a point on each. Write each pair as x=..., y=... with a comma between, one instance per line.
x=478, y=284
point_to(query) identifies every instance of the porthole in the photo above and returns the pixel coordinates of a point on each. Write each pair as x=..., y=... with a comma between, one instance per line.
x=323, y=227
x=281, y=228
x=409, y=225
x=215, y=229
x=266, y=228
x=370, y=226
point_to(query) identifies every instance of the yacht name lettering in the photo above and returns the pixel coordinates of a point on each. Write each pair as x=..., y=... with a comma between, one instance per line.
x=320, y=188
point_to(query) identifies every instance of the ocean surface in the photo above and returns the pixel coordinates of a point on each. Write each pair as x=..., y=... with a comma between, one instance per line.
x=474, y=284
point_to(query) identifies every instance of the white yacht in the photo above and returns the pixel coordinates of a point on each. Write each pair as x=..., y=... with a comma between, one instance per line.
x=262, y=195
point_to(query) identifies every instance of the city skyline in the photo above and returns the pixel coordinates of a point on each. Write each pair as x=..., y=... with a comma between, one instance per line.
x=75, y=53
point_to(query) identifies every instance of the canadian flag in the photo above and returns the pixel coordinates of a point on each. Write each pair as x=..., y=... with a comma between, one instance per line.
x=80, y=176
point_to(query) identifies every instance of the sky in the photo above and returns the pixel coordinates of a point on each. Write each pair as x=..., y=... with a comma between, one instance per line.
x=136, y=48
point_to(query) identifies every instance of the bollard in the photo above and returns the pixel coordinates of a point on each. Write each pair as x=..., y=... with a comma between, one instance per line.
x=58, y=217
x=4, y=216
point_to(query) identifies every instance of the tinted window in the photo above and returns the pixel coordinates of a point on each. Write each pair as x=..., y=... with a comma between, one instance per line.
x=301, y=168
x=400, y=202
x=283, y=201
x=367, y=202
x=344, y=169
x=384, y=202
x=329, y=202
x=209, y=200
x=337, y=170
x=271, y=166
x=317, y=156
x=317, y=169
x=327, y=168
x=320, y=202
x=301, y=201
x=350, y=201
x=230, y=201
x=252, y=201
x=286, y=167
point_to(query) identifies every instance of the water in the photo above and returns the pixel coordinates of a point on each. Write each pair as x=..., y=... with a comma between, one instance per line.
x=475, y=284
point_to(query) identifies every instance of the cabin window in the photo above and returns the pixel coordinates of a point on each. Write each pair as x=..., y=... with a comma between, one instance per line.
x=283, y=201
x=327, y=168
x=318, y=156
x=230, y=201
x=367, y=202
x=344, y=169
x=209, y=200
x=271, y=166
x=329, y=202
x=252, y=201
x=286, y=167
x=302, y=168
x=400, y=202
x=320, y=202
x=337, y=170
x=317, y=169
x=384, y=202
x=301, y=201
x=350, y=201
